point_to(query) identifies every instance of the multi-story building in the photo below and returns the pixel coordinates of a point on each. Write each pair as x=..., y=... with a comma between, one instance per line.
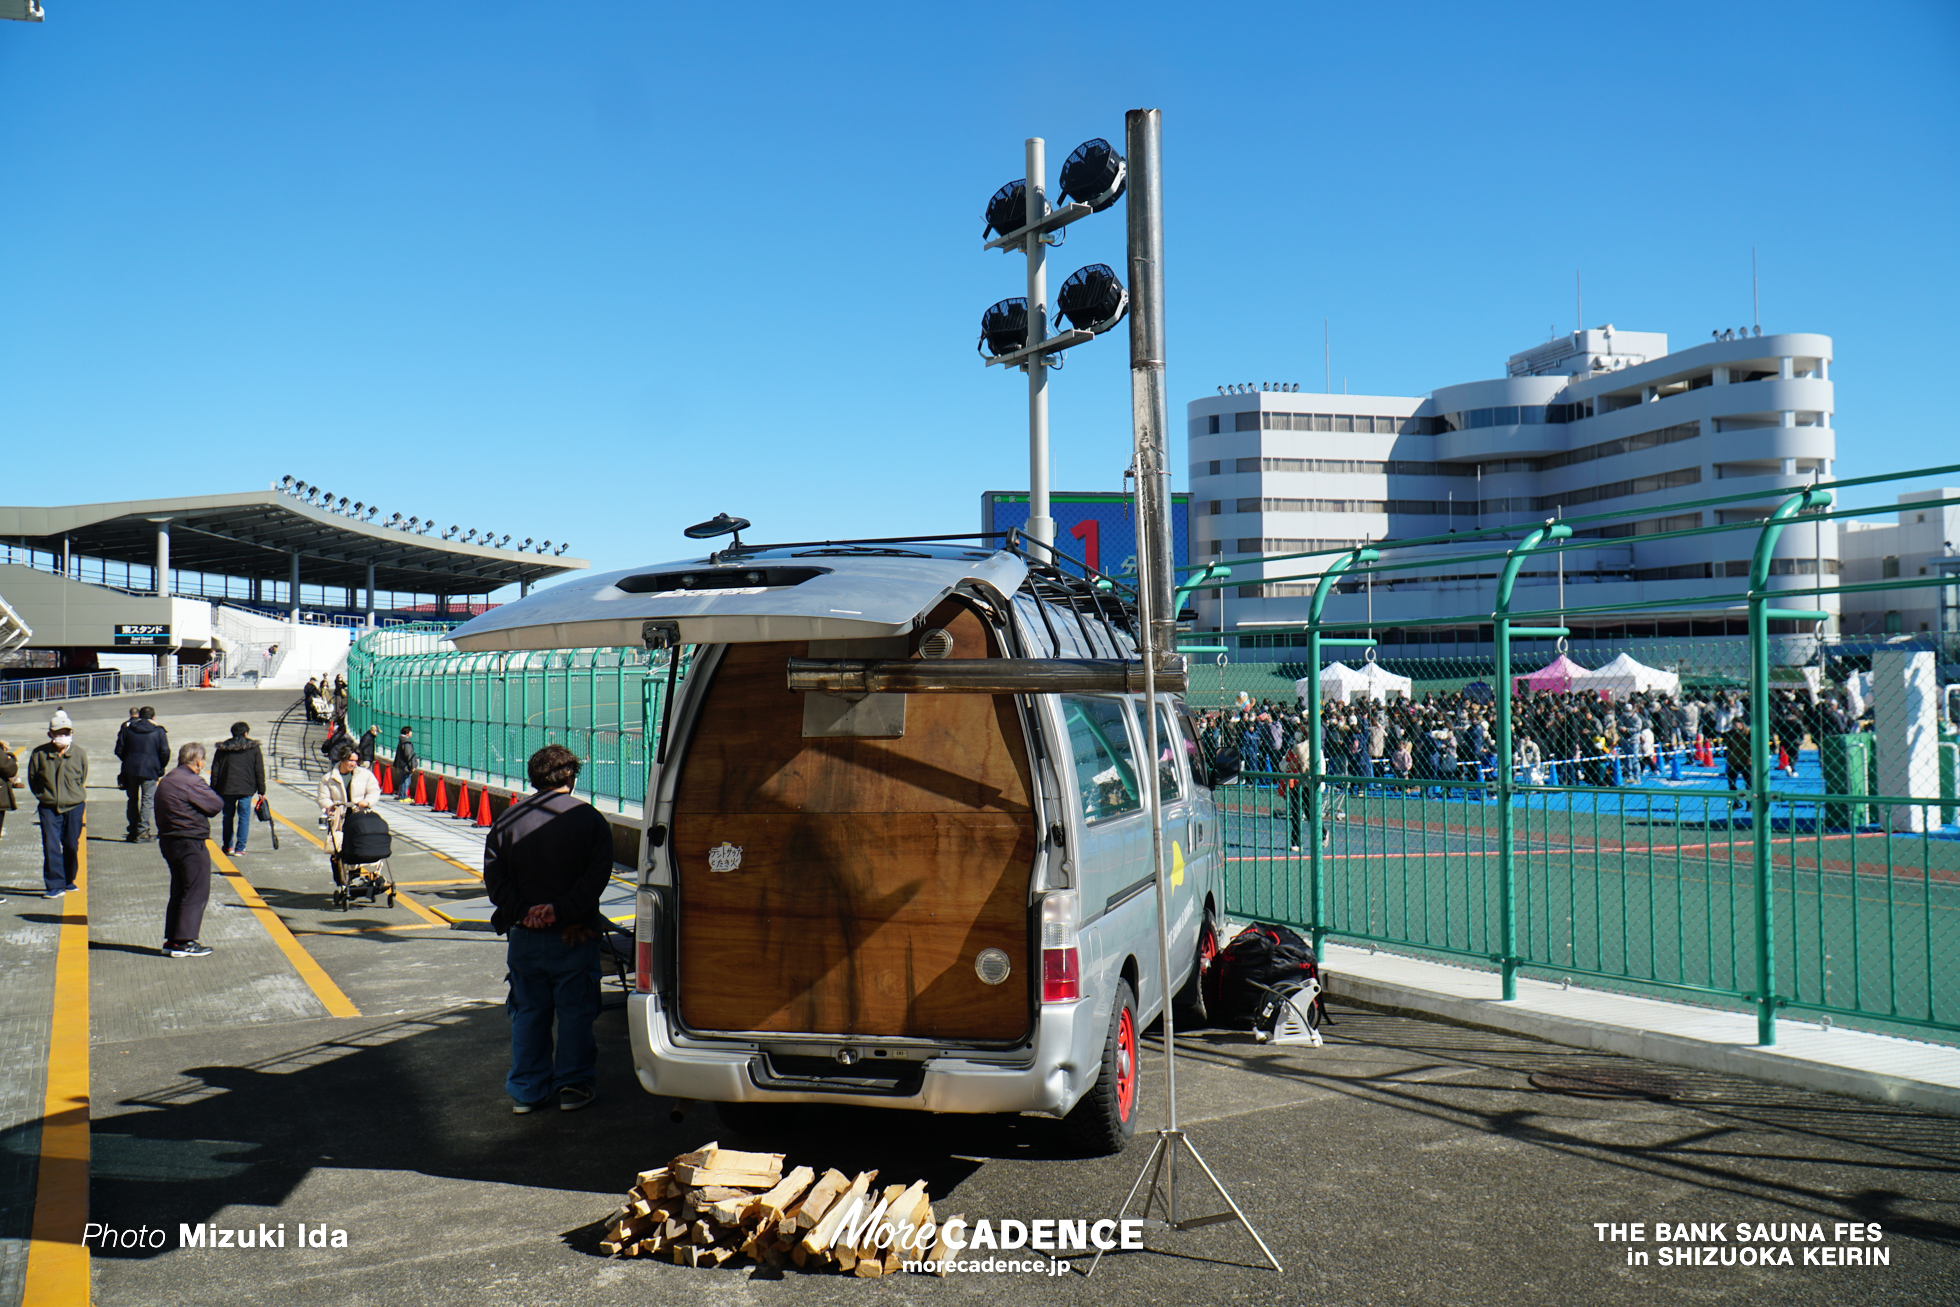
x=1925, y=541
x=1599, y=422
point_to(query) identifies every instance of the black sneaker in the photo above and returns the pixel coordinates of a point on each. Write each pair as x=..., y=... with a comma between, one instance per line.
x=572, y=1097
x=187, y=949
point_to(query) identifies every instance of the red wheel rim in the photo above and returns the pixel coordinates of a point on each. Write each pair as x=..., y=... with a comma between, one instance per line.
x=1126, y=1064
x=1207, y=943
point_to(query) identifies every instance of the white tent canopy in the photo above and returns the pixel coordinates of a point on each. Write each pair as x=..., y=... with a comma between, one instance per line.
x=1624, y=675
x=1340, y=683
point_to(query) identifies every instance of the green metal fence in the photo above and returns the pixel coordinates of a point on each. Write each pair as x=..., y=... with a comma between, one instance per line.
x=480, y=716
x=1593, y=852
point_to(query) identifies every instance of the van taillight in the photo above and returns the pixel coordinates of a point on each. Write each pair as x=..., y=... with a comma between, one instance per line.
x=1061, y=975
x=1061, y=959
x=643, y=944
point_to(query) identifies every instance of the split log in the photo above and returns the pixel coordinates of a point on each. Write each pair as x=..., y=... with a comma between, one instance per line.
x=820, y=1235
x=819, y=1199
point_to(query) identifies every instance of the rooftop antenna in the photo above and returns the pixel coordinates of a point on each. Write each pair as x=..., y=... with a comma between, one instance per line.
x=1755, y=301
x=1579, y=295
x=1327, y=350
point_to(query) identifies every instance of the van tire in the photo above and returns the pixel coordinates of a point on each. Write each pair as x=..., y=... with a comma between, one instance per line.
x=1105, y=1120
x=1193, y=1013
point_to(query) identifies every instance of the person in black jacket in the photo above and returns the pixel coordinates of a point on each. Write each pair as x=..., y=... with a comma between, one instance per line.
x=185, y=807
x=238, y=777
x=364, y=747
x=144, y=748
x=545, y=863
x=405, y=763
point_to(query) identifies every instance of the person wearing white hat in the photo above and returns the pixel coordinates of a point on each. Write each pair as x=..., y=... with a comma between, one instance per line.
x=57, y=774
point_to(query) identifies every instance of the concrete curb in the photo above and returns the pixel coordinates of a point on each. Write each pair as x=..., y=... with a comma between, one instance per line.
x=1768, y=1064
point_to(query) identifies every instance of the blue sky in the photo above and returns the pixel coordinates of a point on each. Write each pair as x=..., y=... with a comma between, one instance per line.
x=593, y=271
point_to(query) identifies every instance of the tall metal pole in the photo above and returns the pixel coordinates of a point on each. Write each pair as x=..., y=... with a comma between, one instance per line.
x=1149, y=402
x=1150, y=414
x=1041, y=526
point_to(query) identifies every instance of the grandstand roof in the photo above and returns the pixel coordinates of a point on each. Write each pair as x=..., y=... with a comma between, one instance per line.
x=254, y=534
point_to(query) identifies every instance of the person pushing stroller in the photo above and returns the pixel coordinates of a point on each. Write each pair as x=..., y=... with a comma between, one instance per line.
x=347, y=789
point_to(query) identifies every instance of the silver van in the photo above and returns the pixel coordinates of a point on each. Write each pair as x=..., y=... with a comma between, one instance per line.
x=897, y=852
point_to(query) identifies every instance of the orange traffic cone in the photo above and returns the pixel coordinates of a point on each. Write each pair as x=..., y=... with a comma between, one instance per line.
x=442, y=794
x=421, y=791
x=483, y=807
x=387, y=780
x=463, y=800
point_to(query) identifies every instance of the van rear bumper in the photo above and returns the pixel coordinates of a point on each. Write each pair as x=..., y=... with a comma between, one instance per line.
x=1061, y=1068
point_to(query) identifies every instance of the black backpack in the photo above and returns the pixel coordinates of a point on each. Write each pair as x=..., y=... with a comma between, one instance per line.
x=1240, y=982
x=364, y=838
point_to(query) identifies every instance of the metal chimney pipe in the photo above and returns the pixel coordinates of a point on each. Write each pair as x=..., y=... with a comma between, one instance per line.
x=1149, y=401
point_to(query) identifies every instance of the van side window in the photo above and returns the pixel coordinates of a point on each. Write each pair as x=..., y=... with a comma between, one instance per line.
x=1105, y=770
x=1169, y=743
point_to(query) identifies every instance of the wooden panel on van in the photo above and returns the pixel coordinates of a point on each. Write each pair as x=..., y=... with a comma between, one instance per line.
x=873, y=871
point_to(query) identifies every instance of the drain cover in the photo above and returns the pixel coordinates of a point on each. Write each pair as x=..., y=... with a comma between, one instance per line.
x=1590, y=1082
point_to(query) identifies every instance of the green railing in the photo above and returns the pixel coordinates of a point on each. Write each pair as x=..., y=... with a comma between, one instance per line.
x=1590, y=857
x=481, y=716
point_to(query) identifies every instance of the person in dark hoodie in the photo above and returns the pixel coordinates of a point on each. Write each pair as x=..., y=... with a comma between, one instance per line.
x=144, y=749
x=237, y=777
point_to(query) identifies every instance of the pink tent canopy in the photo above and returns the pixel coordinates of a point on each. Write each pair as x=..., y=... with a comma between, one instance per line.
x=1558, y=676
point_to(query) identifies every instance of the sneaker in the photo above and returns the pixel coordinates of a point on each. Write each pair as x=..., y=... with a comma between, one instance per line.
x=54, y=893
x=187, y=949
x=71, y=889
x=1296, y=848
x=522, y=1109
x=572, y=1097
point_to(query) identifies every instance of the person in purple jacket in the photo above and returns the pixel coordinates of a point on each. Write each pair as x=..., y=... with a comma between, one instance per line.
x=185, y=807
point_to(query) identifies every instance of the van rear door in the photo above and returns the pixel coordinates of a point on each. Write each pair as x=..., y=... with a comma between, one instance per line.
x=855, y=886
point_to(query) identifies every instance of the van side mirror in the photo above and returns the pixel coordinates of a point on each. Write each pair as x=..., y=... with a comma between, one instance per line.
x=1226, y=765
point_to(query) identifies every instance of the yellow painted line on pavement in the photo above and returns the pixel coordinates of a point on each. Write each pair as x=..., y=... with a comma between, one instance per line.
x=370, y=930
x=336, y=1003
x=57, y=1259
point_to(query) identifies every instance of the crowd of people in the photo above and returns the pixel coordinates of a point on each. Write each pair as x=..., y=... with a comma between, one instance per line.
x=1558, y=738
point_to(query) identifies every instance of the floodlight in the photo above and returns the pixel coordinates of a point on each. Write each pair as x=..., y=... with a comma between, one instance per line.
x=358, y=506
x=469, y=535
x=450, y=534
x=1008, y=210
x=503, y=542
x=526, y=545
x=286, y=484
x=1004, y=326
x=546, y=545
x=1092, y=299
x=1094, y=174
x=561, y=549
x=343, y=503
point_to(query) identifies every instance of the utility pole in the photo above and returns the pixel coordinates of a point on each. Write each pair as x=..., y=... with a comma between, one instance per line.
x=1041, y=525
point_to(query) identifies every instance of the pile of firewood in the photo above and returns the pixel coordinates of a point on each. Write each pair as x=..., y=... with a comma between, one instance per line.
x=716, y=1206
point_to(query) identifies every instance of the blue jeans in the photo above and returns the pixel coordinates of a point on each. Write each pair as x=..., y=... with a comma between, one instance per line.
x=238, y=812
x=548, y=977
x=61, y=846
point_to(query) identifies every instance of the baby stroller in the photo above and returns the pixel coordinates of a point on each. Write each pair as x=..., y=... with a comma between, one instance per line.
x=359, y=851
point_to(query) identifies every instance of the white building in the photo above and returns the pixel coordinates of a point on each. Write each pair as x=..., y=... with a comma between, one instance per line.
x=1601, y=421
x=1921, y=543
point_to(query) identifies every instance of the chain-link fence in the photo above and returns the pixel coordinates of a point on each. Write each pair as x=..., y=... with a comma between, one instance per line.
x=1601, y=814
x=481, y=716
